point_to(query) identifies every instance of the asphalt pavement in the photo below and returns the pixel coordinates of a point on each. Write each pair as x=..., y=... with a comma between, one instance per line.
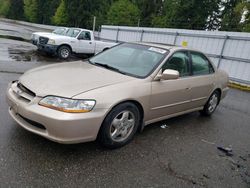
x=183, y=153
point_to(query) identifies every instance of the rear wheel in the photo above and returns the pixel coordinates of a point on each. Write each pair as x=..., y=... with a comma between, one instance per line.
x=211, y=104
x=119, y=126
x=64, y=52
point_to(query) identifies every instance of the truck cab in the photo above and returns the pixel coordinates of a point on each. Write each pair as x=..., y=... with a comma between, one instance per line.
x=75, y=40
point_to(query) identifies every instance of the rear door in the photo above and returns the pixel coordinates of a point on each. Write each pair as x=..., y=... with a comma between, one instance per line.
x=172, y=96
x=202, y=79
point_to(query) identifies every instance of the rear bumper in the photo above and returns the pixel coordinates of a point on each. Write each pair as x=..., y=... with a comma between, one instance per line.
x=66, y=128
x=52, y=49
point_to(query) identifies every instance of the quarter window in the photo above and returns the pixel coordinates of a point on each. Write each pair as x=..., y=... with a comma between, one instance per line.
x=200, y=64
x=179, y=62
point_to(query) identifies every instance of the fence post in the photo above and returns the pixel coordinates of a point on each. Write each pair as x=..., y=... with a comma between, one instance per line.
x=175, y=38
x=117, y=35
x=142, y=31
x=222, y=50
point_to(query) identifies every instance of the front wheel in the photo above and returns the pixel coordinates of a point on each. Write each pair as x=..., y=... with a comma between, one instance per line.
x=211, y=104
x=119, y=126
x=64, y=52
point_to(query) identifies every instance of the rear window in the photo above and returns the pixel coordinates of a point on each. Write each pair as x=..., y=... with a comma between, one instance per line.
x=200, y=64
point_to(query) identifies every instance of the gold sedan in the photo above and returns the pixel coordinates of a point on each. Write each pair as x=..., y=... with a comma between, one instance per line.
x=116, y=93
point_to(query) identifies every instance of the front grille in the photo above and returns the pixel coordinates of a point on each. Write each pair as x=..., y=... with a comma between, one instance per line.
x=25, y=89
x=33, y=123
x=43, y=40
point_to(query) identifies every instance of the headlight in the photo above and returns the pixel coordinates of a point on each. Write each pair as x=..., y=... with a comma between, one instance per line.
x=51, y=41
x=67, y=105
x=34, y=36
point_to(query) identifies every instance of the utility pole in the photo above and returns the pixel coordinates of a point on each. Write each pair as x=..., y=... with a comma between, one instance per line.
x=94, y=22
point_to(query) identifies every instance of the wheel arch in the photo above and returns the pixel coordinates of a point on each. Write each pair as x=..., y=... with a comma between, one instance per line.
x=133, y=101
x=220, y=92
x=105, y=48
x=64, y=44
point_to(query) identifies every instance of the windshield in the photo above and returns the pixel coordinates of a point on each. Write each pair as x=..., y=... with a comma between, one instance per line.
x=60, y=31
x=133, y=59
x=72, y=32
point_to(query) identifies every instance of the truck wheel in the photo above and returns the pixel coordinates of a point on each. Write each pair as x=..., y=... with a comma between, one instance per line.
x=64, y=52
x=119, y=126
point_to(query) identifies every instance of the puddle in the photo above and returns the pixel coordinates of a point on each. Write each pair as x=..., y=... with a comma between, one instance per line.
x=21, y=50
x=14, y=38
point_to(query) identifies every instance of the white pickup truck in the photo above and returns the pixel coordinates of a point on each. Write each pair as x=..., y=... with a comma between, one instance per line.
x=75, y=40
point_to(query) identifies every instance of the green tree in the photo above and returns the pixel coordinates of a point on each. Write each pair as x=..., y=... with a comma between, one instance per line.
x=4, y=8
x=123, y=12
x=16, y=10
x=150, y=11
x=158, y=21
x=46, y=11
x=31, y=10
x=243, y=9
x=61, y=16
x=191, y=14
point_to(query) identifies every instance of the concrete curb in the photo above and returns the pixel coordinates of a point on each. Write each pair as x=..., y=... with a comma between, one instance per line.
x=240, y=86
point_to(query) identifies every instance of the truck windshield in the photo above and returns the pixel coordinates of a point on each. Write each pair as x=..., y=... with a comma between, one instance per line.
x=133, y=59
x=60, y=31
x=72, y=32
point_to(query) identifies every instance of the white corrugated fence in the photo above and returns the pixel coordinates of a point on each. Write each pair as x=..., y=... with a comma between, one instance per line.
x=229, y=51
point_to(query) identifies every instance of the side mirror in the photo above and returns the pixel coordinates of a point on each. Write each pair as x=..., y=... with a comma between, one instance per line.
x=168, y=74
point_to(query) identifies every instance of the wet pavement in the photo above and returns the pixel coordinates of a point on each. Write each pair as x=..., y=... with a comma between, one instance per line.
x=181, y=154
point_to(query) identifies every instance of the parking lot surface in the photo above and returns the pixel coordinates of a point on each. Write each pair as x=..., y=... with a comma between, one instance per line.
x=183, y=153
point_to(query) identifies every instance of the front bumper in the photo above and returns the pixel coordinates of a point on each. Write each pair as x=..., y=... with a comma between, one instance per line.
x=34, y=41
x=52, y=49
x=66, y=128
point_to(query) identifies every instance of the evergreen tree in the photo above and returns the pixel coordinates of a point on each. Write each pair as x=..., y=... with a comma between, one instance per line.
x=61, y=16
x=150, y=10
x=46, y=11
x=191, y=14
x=4, y=8
x=123, y=12
x=31, y=10
x=16, y=10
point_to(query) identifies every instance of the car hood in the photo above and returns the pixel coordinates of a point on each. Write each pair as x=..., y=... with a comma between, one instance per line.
x=61, y=37
x=70, y=79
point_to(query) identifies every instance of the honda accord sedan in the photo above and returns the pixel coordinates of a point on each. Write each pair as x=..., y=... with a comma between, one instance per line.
x=116, y=93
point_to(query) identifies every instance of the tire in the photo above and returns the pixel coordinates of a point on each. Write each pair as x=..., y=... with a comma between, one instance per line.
x=211, y=104
x=64, y=52
x=119, y=126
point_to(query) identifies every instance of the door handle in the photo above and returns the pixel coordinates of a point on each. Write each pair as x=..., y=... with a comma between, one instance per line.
x=90, y=42
x=188, y=88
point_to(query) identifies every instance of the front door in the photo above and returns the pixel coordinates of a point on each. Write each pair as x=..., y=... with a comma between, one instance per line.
x=172, y=96
x=85, y=44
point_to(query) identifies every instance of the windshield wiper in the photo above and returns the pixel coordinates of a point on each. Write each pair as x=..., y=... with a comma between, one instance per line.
x=108, y=67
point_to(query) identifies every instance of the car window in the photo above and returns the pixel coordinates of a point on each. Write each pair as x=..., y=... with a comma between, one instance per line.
x=84, y=35
x=180, y=62
x=133, y=59
x=200, y=64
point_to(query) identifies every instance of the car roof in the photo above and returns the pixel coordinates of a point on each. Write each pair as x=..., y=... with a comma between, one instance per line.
x=166, y=46
x=79, y=29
